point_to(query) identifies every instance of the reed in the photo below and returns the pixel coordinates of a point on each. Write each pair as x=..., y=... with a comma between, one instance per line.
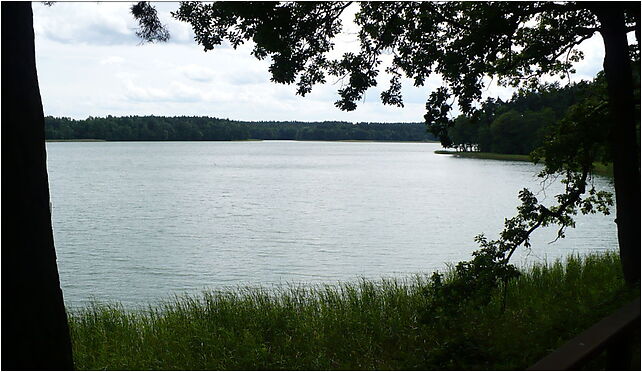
x=361, y=325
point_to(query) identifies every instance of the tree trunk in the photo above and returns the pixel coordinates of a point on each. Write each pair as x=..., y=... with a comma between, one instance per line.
x=626, y=153
x=35, y=332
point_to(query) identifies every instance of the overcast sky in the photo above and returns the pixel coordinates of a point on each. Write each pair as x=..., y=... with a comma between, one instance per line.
x=90, y=63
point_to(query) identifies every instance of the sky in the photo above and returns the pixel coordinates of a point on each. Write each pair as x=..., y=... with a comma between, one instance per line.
x=91, y=63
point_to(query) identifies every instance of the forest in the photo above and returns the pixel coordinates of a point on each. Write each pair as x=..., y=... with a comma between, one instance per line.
x=521, y=124
x=516, y=126
x=193, y=128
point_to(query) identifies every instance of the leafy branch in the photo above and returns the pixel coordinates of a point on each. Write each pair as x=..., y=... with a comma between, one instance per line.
x=570, y=149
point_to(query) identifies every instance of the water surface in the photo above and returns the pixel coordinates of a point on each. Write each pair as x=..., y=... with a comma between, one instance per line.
x=136, y=222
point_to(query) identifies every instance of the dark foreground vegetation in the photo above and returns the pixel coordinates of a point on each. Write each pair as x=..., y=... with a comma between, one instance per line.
x=365, y=325
x=199, y=128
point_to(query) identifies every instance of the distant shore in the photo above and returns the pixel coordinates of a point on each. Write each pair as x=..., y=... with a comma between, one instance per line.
x=76, y=140
x=485, y=155
x=391, y=141
x=245, y=140
x=598, y=168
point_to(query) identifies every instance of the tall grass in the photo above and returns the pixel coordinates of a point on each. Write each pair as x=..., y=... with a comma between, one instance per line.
x=362, y=325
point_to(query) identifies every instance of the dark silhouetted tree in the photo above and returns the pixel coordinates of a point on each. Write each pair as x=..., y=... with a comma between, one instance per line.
x=35, y=334
x=151, y=29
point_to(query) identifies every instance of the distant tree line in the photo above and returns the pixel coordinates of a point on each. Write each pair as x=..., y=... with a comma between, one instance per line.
x=194, y=128
x=519, y=125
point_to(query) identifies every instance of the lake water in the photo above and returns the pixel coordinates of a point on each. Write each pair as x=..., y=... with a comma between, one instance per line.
x=136, y=222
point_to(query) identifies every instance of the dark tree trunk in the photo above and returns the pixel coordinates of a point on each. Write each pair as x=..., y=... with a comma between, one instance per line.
x=35, y=333
x=626, y=153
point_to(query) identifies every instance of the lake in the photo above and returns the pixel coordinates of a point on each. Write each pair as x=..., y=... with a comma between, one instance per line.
x=136, y=222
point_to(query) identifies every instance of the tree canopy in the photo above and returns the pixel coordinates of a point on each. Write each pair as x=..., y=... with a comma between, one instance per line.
x=464, y=42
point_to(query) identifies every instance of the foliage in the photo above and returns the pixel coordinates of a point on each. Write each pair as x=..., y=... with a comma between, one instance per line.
x=151, y=29
x=520, y=125
x=464, y=42
x=571, y=148
x=366, y=325
x=185, y=128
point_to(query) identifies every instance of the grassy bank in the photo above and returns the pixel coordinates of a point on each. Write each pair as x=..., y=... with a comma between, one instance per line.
x=599, y=168
x=603, y=169
x=364, y=325
x=485, y=155
x=389, y=141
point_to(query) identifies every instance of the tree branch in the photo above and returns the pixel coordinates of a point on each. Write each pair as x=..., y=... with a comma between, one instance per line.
x=545, y=213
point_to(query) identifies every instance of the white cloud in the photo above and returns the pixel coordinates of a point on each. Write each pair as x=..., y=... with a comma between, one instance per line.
x=90, y=62
x=180, y=32
x=103, y=23
x=198, y=73
x=112, y=60
x=172, y=92
x=593, y=50
x=85, y=23
x=248, y=77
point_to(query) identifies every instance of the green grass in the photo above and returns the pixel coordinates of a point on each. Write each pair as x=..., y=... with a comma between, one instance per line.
x=391, y=141
x=598, y=167
x=362, y=325
x=485, y=155
x=603, y=169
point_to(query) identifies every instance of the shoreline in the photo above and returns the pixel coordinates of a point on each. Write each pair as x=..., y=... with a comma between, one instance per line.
x=485, y=155
x=284, y=329
x=600, y=169
x=245, y=140
x=76, y=140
